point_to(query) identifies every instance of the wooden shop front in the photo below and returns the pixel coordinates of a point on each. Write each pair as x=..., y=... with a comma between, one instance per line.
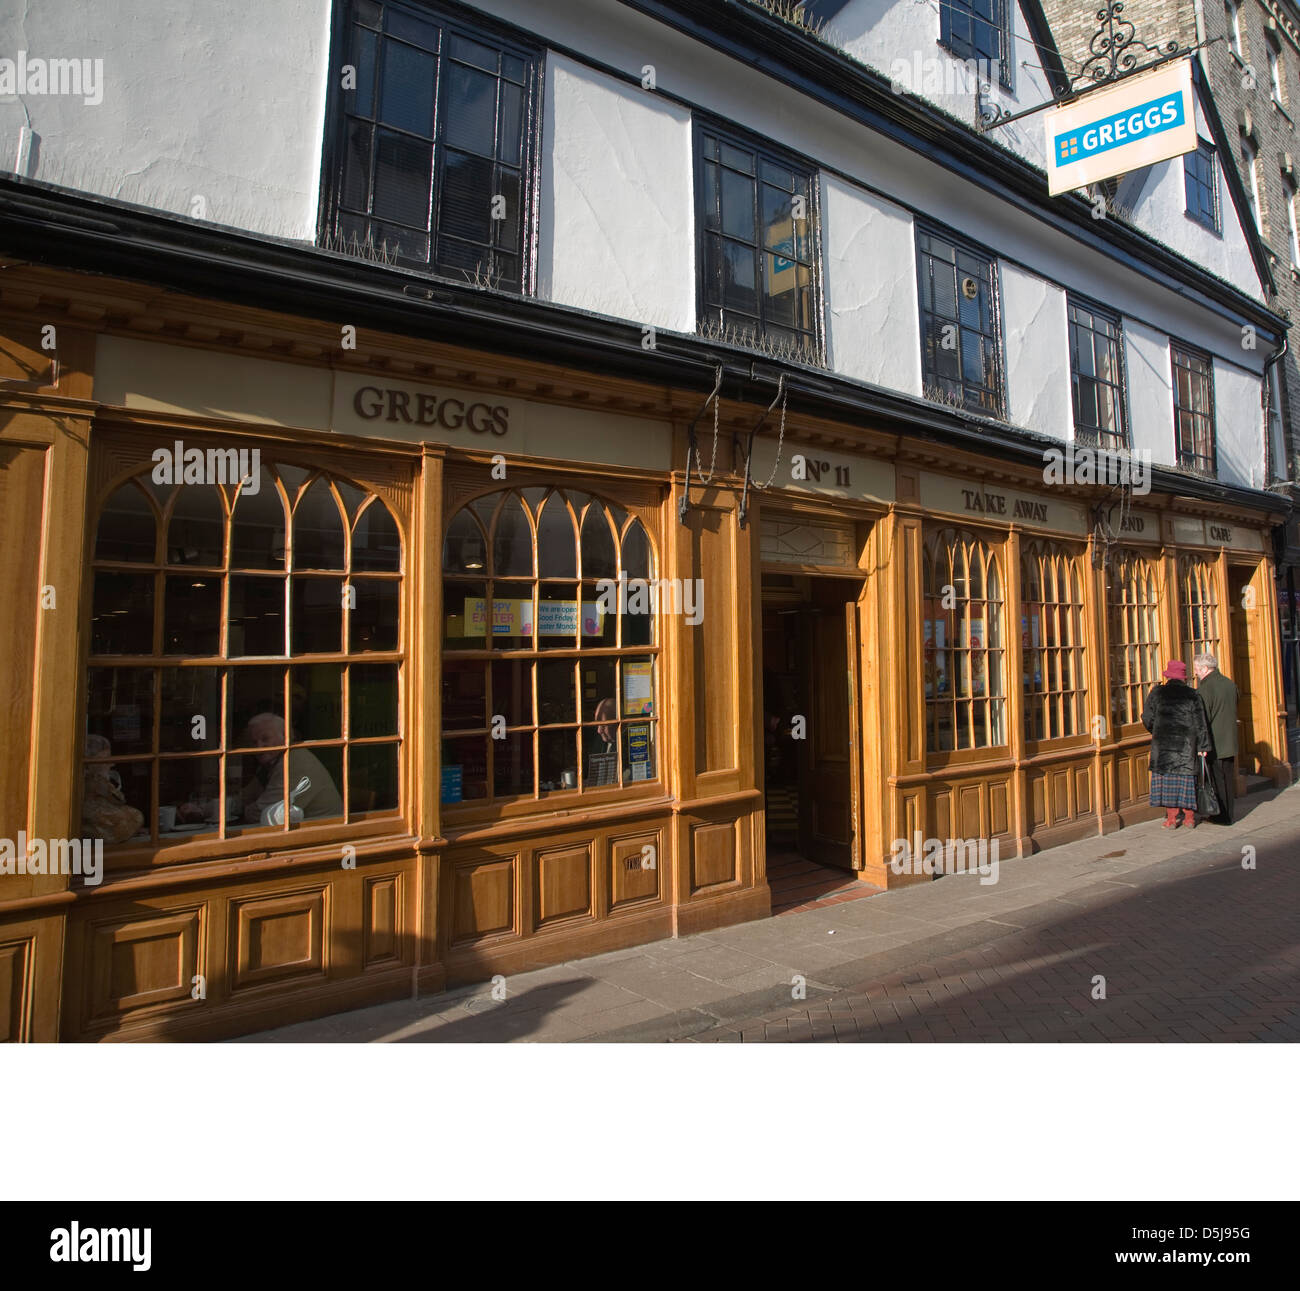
x=379, y=669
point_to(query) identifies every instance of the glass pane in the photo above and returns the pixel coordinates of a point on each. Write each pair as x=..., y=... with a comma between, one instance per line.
x=317, y=605
x=355, y=194
x=738, y=206
x=120, y=709
x=403, y=178
x=557, y=696
x=470, y=51
x=600, y=628
x=512, y=772
x=316, y=696
x=408, y=81
x=256, y=616
x=363, y=58
x=257, y=528
x=506, y=230
x=417, y=31
x=512, y=123
x=639, y=761
x=463, y=550
x=374, y=620
x=253, y=693
x=558, y=760
x=465, y=209
x=636, y=559
x=190, y=710
x=464, y=696
x=557, y=616
x=512, y=691
x=192, y=615
x=597, y=545
x=512, y=616
x=738, y=281
x=317, y=530
x=464, y=769
x=376, y=546
x=465, y=621
x=191, y=787
x=372, y=778
x=512, y=546
x=122, y=617
x=372, y=699
x=638, y=687
x=127, y=527
x=737, y=158
x=557, y=555
x=470, y=110
x=197, y=530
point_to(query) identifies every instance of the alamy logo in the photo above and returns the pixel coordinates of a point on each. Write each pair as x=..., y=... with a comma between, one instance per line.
x=933, y=856
x=81, y=78
x=650, y=595
x=1098, y=466
x=181, y=465
x=77, y=1245
x=83, y=856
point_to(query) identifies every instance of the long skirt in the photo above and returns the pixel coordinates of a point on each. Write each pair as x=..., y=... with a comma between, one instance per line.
x=1173, y=790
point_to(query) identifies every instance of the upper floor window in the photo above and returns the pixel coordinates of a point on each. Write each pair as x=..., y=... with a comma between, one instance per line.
x=1097, y=376
x=1275, y=75
x=1232, y=10
x=960, y=357
x=237, y=629
x=434, y=149
x=977, y=29
x=1292, y=228
x=1193, y=408
x=550, y=677
x=1201, y=182
x=1249, y=160
x=965, y=698
x=757, y=244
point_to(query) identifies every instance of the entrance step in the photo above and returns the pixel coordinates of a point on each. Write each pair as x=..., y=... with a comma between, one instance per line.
x=1256, y=784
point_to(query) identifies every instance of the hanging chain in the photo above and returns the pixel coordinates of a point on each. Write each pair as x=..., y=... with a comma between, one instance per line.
x=717, y=403
x=783, y=394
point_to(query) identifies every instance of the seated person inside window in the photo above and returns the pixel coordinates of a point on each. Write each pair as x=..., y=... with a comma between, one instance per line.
x=266, y=787
x=600, y=744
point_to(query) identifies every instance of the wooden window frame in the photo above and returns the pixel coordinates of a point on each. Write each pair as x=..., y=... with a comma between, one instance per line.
x=1133, y=629
x=493, y=807
x=1204, y=153
x=938, y=539
x=961, y=48
x=1062, y=653
x=223, y=839
x=1198, y=599
x=471, y=25
x=930, y=378
x=703, y=127
x=1094, y=435
x=1184, y=358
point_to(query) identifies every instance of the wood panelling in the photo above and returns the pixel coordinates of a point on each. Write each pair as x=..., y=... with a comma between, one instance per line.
x=482, y=900
x=139, y=962
x=381, y=920
x=278, y=938
x=999, y=816
x=713, y=855
x=631, y=880
x=563, y=884
x=713, y=641
x=23, y=361
x=15, y=990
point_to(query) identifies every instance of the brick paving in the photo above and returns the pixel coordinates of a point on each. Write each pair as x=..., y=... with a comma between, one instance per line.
x=1191, y=946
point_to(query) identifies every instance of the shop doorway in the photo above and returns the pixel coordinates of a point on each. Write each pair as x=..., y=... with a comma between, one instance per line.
x=811, y=729
x=1245, y=619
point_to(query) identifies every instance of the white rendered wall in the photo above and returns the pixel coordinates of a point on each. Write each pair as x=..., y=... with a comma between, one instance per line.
x=617, y=217
x=220, y=101
x=1037, y=353
x=1150, y=391
x=1238, y=426
x=873, y=319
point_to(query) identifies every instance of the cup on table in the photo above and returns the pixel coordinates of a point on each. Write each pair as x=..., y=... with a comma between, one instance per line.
x=166, y=819
x=569, y=779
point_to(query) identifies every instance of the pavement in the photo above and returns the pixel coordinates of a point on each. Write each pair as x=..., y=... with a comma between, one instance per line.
x=1142, y=935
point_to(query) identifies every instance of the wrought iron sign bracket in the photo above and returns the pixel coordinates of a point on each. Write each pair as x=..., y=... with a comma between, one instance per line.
x=692, y=449
x=1113, y=58
x=781, y=394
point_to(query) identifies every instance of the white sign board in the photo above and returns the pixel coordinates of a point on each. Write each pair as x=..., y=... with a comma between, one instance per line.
x=1142, y=120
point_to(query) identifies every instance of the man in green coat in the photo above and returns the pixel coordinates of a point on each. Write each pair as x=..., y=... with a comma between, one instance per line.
x=1220, y=695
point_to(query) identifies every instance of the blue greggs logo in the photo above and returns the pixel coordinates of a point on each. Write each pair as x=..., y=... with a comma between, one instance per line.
x=1130, y=126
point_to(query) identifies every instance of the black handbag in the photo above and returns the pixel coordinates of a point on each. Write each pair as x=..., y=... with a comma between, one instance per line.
x=1207, y=801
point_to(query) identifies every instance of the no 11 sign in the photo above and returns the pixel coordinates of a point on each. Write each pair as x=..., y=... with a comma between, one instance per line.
x=1142, y=120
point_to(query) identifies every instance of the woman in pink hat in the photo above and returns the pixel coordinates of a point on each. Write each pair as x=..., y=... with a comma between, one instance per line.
x=1180, y=736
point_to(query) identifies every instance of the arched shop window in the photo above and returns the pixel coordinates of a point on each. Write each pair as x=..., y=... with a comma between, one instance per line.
x=965, y=691
x=232, y=625
x=550, y=650
x=1051, y=628
x=1133, y=612
x=1198, y=607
